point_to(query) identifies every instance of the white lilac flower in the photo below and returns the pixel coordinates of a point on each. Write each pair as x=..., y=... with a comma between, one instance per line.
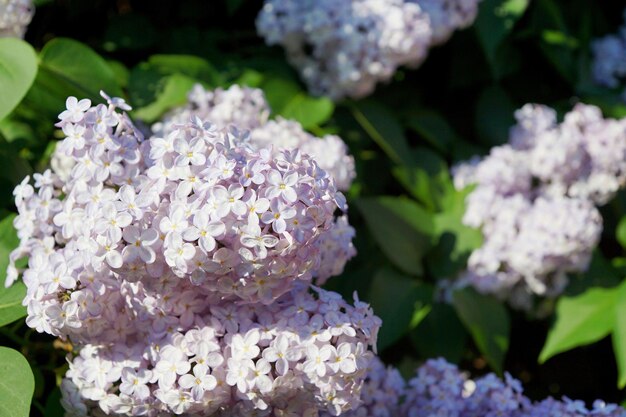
x=15, y=15
x=441, y=389
x=247, y=109
x=177, y=283
x=210, y=368
x=345, y=47
x=535, y=200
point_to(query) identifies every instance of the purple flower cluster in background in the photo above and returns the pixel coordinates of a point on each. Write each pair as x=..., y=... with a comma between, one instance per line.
x=609, y=59
x=15, y=15
x=440, y=389
x=179, y=267
x=345, y=47
x=535, y=200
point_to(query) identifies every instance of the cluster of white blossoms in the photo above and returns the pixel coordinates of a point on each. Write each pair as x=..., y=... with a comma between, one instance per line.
x=345, y=47
x=609, y=59
x=440, y=389
x=179, y=267
x=247, y=109
x=300, y=355
x=15, y=15
x=535, y=200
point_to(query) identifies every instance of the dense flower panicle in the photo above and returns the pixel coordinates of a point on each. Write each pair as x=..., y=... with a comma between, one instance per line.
x=440, y=389
x=179, y=267
x=247, y=109
x=305, y=352
x=609, y=59
x=536, y=198
x=198, y=204
x=344, y=48
x=15, y=15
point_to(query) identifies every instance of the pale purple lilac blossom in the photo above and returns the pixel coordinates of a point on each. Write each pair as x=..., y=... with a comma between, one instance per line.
x=609, y=60
x=247, y=109
x=182, y=281
x=15, y=15
x=535, y=200
x=344, y=48
x=440, y=389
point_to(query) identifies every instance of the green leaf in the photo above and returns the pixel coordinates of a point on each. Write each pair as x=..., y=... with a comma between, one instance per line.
x=619, y=335
x=69, y=68
x=488, y=322
x=435, y=129
x=17, y=385
x=53, y=406
x=309, y=111
x=580, y=320
x=18, y=67
x=440, y=333
x=79, y=67
x=396, y=298
x=233, y=5
x=287, y=99
x=174, y=93
x=494, y=115
x=402, y=229
x=382, y=126
x=620, y=232
x=189, y=65
x=11, y=307
x=495, y=21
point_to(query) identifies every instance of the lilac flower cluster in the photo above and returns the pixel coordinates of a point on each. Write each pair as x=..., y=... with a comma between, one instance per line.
x=301, y=354
x=609, y=59
x=441, y=389
x=536, y=198
x=247, y=109
x=179, y=267
x=344, y=48
x=15, y=15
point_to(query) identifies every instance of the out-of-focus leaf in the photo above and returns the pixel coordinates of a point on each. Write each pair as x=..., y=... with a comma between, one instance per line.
x=395, y=298
x=424, y=179
x=440, y=333
x=189, y=65
x=494, y=115
x=488, y=322
x=18, y=67
x=174, y=92
x=382, y=126
x=122, y=74
x=11, y=308
x=581, y=320
x=287, y=99
x=402, y=229
x=79, y=67
x=131, y=32
x=53, y=406
x=232, y=6
x=17, y=385
x=69, y=68
x=620, y=232
x=434, y=129
x=619, y=335
x=495, y=21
